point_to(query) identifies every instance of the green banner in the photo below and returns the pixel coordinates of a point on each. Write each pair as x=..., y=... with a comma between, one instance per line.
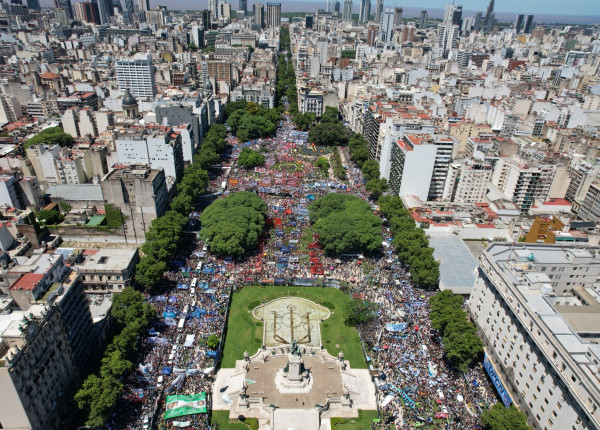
x=178, y=406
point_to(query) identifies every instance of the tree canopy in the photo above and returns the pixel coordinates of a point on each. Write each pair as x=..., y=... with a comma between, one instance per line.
x=502, y=418
x=49, y=217
x=359, y=153
x=249, y=158
x=233, y=225
x=359, y=311
x=462, y=346
x=331, y=115
x=411, y=243
x=345, y=224
x=329, y=134
x=99, y=393
x=250, y=121
x=51, y=136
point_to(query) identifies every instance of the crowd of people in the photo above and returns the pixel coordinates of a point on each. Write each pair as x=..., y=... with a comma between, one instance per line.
x=177, y=357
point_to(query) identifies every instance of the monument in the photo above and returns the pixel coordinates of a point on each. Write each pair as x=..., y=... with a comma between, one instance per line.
x=293, y=378
x=292, y=381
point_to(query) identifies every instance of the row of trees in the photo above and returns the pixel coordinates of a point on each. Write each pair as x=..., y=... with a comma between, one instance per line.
x=251, y=121
x=233, y=225
x=338, y=168
x=165, y=232
x=410, y=242
x=345, y=224
x=359, y=154
x=100, y=392
x=462, y=346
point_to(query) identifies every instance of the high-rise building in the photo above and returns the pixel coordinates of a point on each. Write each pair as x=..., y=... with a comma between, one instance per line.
x=423, y=21
x=371, y=35
x=206, y=14
x=478, y=21
x=212, y=6
x=45, y=346
x=105, y=10
x=129, y=8
x=347, y=15
x=258, y=11
x=488, y=23
x=33, y=4
x=273, y=14
x=378, y=10
x=447, y=38
x=144, y=5
x=336, y=7
x=419, y=165
x=365, y=11
x=327, y=5
x=137, y=75
x=244, y=6
x=528, y=28
x=448, y=12
x=386, y=24
x=66, y=6
x=397, y=17
x=523, y=184
x=309, y=21
x=519, y=23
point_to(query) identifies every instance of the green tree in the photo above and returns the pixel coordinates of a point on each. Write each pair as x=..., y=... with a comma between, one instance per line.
x=377, y=187
x=250, y=159
x=192, y=47
x=345, y=224
x=370, y=170
x=329, y=134
x=331, y=115
x=233, y=225
x=97, y=397
x=322, y=163
x=500, y=417
x=358, y=311
x=213, y=342
x=304, y=121
x=51, y=136
x=349, y=53
x=48, y=217
x=149, y=272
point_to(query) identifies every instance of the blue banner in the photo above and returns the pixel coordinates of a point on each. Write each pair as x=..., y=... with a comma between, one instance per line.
x=169, y=314
x=396, y=327
x=487, y=365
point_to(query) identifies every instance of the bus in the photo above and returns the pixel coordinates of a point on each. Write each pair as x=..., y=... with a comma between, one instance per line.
x=192, y=292
x=181, y=324
x=186, y=310
x=194, y=283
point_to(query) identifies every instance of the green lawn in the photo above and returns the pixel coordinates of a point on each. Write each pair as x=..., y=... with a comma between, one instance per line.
x=363, y=422
x=244, y=332
x=221, y=420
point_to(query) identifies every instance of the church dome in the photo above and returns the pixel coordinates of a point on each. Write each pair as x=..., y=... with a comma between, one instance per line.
x=128, y=100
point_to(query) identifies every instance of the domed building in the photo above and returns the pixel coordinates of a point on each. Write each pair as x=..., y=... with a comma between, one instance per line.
x=130, y=105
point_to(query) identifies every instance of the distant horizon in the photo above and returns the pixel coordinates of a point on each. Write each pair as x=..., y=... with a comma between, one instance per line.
x=549, y=11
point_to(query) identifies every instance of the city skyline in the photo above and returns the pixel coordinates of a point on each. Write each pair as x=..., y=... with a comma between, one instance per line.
x=577, y=8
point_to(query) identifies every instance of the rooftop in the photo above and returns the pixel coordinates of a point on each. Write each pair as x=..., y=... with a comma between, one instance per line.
x=27, y=282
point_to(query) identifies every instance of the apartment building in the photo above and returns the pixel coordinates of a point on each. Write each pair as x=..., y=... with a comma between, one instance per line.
x=536, y=308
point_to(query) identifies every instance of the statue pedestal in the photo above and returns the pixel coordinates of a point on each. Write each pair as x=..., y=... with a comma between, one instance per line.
x=294, y=378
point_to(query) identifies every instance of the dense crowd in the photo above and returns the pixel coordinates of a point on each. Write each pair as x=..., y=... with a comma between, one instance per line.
x=175, y=357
